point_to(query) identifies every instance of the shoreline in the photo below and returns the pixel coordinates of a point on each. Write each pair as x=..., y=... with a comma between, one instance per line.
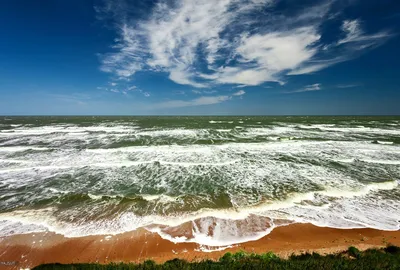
x=30, y=250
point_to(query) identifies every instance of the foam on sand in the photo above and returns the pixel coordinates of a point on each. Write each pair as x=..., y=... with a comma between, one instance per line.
x=222, y=227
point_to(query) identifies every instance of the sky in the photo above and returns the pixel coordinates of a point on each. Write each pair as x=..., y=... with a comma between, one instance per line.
x=200, y=57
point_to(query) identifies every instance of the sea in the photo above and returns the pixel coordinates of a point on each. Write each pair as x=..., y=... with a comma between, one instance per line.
x=212, y=180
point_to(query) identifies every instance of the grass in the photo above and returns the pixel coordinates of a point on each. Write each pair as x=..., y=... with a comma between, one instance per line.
x=386, y=258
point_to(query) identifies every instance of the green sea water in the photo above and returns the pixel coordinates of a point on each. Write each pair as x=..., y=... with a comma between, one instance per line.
x=236, y=174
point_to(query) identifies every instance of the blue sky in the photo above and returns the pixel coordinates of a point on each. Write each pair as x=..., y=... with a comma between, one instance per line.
x=199, y=57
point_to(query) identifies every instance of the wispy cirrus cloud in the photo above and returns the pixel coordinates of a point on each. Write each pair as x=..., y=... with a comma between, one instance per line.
x=355, y=34
x=355, y=42
x=204, y=92
x=205, y=43
x=203, y=100
x=307, y=88
x=124, y=89
x=239, y=93
x=351, y=85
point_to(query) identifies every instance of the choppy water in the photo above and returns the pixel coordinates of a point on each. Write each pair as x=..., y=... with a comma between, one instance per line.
x=229, y=179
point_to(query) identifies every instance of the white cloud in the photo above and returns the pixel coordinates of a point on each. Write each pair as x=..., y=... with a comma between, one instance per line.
x=313, y=87
x=194, y=102
x=314, y=66
x=204, y=92
x=203, y=100
x=240, y=86
x=124, y=89
x=307, y=88
x=203, y=43
x=355, y=42
x=347, y=85
x=354, y=33
x=182, y=76
x=239, y=93
x=352, y=29
x=264, y=57
x=279, y=50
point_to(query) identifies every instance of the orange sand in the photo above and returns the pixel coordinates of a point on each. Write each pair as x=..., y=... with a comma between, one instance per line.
x=33, y=249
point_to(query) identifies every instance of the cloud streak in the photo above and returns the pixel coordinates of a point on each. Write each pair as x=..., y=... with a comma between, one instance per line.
x=355, y=34
x=343, y=86
x=351, y=46
x=206, y=43
x=123, y=89
x=308, y=88
x=200, y=101
x=194, y=102
x=239, y=93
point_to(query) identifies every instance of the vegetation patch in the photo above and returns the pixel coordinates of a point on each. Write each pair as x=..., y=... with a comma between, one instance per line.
x=386, y=258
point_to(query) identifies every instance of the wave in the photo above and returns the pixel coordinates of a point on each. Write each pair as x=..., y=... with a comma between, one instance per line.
x=217, y=227
x=382, y=142
x=217, y=122
x=114, y=136
x=68, y=129
x=256, y=168
x=376, y=161
x=22, y=148
x=216, y=185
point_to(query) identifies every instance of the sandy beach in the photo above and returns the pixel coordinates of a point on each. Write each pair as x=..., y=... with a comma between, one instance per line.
x=30, y=250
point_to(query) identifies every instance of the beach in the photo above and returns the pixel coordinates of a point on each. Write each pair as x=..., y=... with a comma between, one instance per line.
x=109, y=189
x=31, y=250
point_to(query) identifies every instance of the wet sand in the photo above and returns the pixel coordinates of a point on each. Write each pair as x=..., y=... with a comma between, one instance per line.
x=29, y=250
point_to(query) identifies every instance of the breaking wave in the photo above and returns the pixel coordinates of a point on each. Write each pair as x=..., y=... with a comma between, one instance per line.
x=202, y=180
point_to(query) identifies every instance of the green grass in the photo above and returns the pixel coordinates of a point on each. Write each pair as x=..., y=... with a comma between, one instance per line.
x=387, y=258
